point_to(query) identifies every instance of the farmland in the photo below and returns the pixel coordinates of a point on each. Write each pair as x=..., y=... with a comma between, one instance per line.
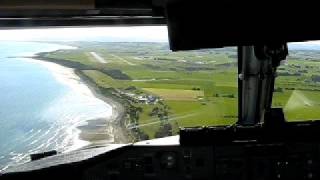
x=164, y=90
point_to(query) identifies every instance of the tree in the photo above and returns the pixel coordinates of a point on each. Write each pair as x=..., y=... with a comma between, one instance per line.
x=278, y=89
x=315, y=78
x=160, y=116
x=164, y=130
x=154, y=111
x=165, y=113
x=139, y=109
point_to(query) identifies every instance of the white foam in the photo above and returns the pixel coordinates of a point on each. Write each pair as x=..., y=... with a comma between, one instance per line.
x=77, y=142
x=4, y=168
x=47, y=132
x=72, y=109
x=79, y=90
x=67, y=77
x=31, y=136
x=69, y=106
x=33, y=142
x=35, y=134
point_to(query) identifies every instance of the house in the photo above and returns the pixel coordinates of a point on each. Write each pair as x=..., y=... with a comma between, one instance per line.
x=143, y=99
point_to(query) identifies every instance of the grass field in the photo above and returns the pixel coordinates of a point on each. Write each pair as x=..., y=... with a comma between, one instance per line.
x=175, y=94
x=197, y=88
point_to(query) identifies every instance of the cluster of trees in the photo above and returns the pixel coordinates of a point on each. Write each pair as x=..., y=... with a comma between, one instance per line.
x=199, y=68
x=140, y=135
x=290, y=88
x=226, y=65
x=161, y=112
x=233, y=56
x=224, y=95
x=278, y=104
x=164, y=130
x=230, y=116
x=289, y=74
x=134, y=114
x=152, y=66
x=162, y=59
x=116, y=74
x=278, y=89
x=196, y=88
x=296, y=66
x=315, y=78
x=303, y=71
x=302, y=89
x=130, y=88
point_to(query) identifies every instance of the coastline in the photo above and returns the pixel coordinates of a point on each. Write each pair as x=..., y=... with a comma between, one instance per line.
x=100, y=131
x=118, y=111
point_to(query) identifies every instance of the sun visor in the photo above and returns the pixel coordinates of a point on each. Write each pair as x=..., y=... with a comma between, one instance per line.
x=202, y=24
x=76, y=13
x=46, y=4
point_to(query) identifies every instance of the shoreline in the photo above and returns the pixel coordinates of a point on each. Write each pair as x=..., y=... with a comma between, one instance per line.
x=118, y=110
x=101, y=131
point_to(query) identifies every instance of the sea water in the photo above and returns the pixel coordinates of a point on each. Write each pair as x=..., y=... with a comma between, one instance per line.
x=41, y=104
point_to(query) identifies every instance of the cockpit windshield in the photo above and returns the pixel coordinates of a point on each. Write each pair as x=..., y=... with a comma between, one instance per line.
x=297, y=85
x=63, y=89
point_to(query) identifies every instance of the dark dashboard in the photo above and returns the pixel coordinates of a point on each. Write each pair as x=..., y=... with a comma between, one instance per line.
x=166, y=159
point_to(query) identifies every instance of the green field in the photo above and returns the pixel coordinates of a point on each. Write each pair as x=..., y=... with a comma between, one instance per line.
x=176, y=94
x=191, y=88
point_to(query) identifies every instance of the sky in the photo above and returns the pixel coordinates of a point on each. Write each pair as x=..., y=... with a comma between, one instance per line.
x=108, y=34
x=309, y=45
x=134, y=34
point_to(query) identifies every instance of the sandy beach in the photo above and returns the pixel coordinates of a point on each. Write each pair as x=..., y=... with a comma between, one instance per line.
x=94, y=132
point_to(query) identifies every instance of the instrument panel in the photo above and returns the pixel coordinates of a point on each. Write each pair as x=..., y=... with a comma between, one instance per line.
x=239, y=162
x=162, y=162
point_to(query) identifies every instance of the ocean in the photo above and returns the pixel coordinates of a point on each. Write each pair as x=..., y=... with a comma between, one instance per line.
x=41, y=104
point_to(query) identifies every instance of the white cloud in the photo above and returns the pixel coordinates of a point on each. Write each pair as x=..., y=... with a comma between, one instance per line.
x=134, y=33
x=306, y=43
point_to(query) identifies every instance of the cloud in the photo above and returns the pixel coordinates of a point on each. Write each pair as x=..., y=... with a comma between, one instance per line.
x=134, y=33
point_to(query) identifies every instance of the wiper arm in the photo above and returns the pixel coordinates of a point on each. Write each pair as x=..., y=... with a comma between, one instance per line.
x=257, y=72
x=41, y=155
